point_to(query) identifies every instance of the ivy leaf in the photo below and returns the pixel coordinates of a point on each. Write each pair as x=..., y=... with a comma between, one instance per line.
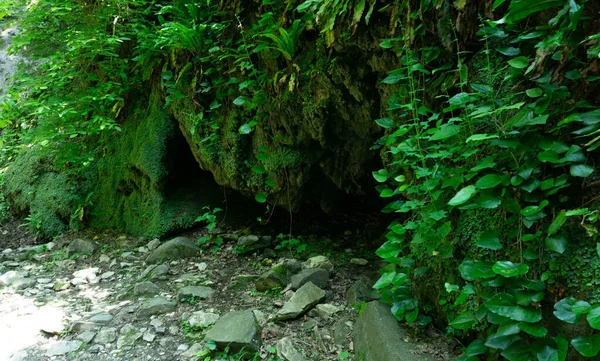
x=472, y=270
x=446, y=131
x=520, y=9
x=581, y=308
x=259, y=169
x=490, y=240
x=505, y=305
x=520, y=62
x=385, y=280
x=517, y=351
x=464, y=321
x=261, y=197
x=385, y=122
x=509, y=51
x=560, y=219
x=390, y=249
x=534, y=92
x=557, y=244
x=593, y=318
x=241, y=100
x=463, y=196
x=509, y=269
x=563, y=310
x=489, y=181
x=598, y=249
x=581, y=170
x=534, y=329
x=245, y=129
x=381, y=175
x=588, y=346
x=547, y=354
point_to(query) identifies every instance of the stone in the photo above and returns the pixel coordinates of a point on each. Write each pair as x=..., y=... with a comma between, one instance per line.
x=63, y=347
x=301, y=302
x=359, y=261
x=238, y=330
x=286, y=268
x=260, y=317
x=83, y=326
x=146, y=289
x=318, y=276
x=202, y=266
x=177, y=248
x=9, y=277
x=104, y=259
x=129, y=335
x=23, y=283
x=155, y=306
x=360, y=291
x=82, y=246
x=286, y=350
x=196, y=292
x=101, y=318
x=203, y=319
x=44, y=281
x=149, y=336
x=50, y=320
x=50, y=246
x=153, y=244
x=61, y=285
x=106, y=335
x=318, y=262
x=378, y=337
x=86, y=337
x=327, y=310
x=88, y=274
x=107, y=275
x=193, y=351
x=268, y=281
x=341, y=331
x=248, y=241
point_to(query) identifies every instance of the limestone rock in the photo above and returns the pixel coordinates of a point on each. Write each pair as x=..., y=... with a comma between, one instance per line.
x=327, y=310
x=23, y=283
x=155, y=306
x=146, y=289
x=359, y=261
x=301, y=302
x=197, y=292
x=268, y=281
x=318, y=262
x=86, y=337
x=129, y=335
x=286, y=350
x=193, y=351
x=101, y=318
x=106, y=335
x=238, y=330
x=360, y=291
x=341, y=331
x=286, y=268
x=203, y=319
x=318, y=276
x=9, y=277
x=82, y=246
x=63, y=347
x=177, y=248
x=379, y=337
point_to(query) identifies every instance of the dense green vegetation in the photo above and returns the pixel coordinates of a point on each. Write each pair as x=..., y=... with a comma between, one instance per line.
x=486, y=113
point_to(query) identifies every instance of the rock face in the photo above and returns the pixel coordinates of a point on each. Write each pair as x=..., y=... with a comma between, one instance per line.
x=301, y=302
x=238, y=330
x=379, y=337
x=180, y=247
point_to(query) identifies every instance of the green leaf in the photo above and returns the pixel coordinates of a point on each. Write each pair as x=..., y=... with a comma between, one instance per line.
x=446, y=131
x=517, y=351
x=509, y=51
x=385, y=280
x=259, y=169
x=509, y=269
x=245, y=129
x=557, y=244
x=381, y=175
x=261, y=197
x=504, y=304
x=598, y=249
x=593, y=318
x=464, y=321
x=463, y=196
x=560, y=219
x=588, y=346
x=477, y=137
x=534, y=329
x=489, y=181
x=490, y=240
x=581, y=170
x=472, y=270
x=521, y=9
x=385, y=122
x=563, y=310
x=520, y=62
x=547, y=354
x=241, y=100
x=390, y=249
x=581, y=307
x=534, y=92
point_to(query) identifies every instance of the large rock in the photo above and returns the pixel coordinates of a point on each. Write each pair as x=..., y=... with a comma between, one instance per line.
x=155, y=306
x=82, y=246
x=10, y=277
x=238, y=330
x=378, y=337
x=286, y=268
x=318, y=276
x=146, y=289
x=196, y=292
x=203, y=319
x=106, y=335
x=129, y=335
x=301, y=302
x=63, y=347
x=318, y=262
x=286, y=350
x=359, y=291
x=268, y=281
x=180, y=247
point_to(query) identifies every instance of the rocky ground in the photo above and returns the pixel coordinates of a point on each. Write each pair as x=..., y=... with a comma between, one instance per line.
x=112, y=297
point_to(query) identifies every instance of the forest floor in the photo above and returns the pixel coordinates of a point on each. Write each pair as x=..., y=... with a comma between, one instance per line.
x=56, y=304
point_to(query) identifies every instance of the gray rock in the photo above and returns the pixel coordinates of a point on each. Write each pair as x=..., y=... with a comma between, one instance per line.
x=318, y=276
x=378, y=337
x=61, y=285
x=341, y=331
x=286, y=350
x=197, y=292
x=268, y=281
x=153, y=244
x=193, y=351
x=129, y=335
x=301, y=302
x=318, y=262
x=155, y=306
x=326, y=310
x=286, y=268
x=83, y=326
x=359, y=261
x=238, y=330
x=63, y=347
x=149, y=336
x=23, y=283
x=360, y=291
x=203, y=319
x=95, y=348
x=50, y=320
x=86, y=337
x=88, y=274
x=9, y=277
x=177, y=248
x=102, y=318
x=245, y=241
x=146, y=289
x=82, y=246
x=106, y=335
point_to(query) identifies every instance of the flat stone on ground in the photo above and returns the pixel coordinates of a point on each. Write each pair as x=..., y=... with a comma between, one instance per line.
x=177, y=248
x=301, y=302
x=238, y=330
x=286, y=350
x=146, y=289
x=318, y=262
x=198, y=292
x=63, y=347
x=203, y=319
x=155, y=306
x=82, y=246
x=318, y=276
